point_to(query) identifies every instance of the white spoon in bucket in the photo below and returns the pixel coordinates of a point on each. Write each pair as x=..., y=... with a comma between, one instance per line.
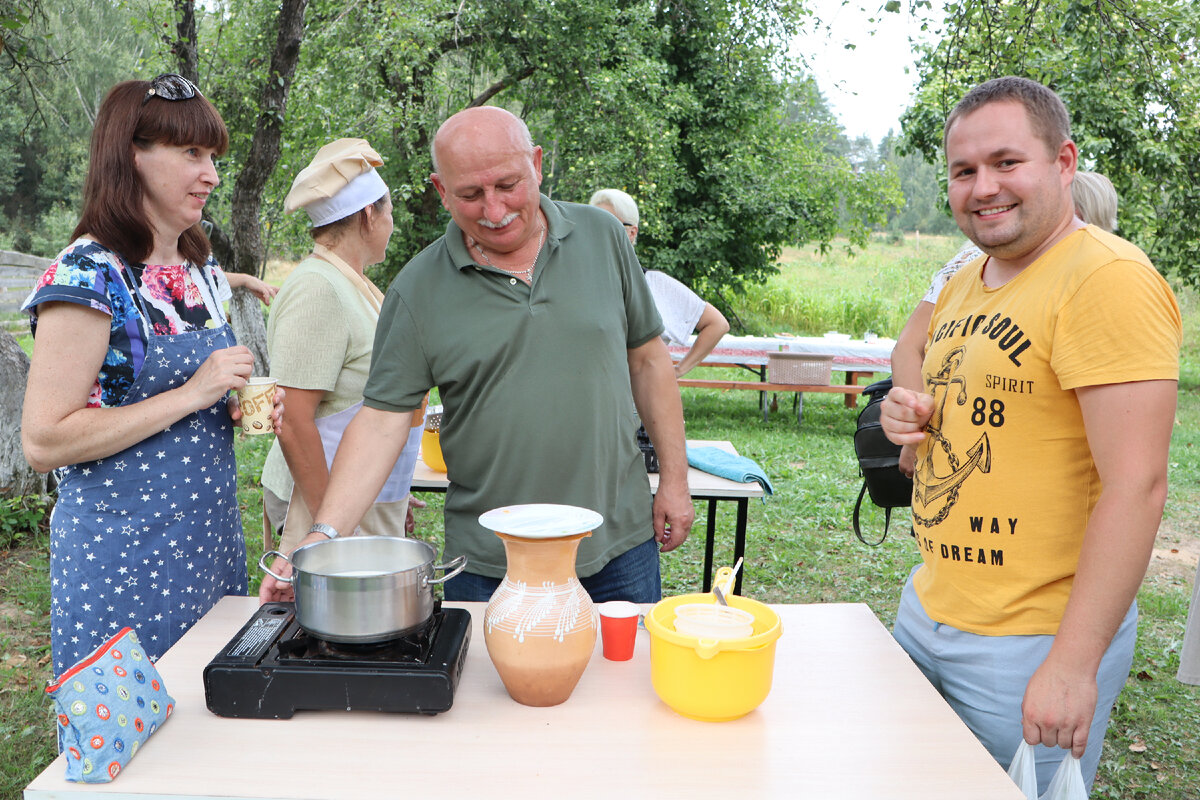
x=723, y=583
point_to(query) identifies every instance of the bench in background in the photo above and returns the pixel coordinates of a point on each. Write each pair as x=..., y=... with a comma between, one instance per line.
x=18, y=274
x=851, y=391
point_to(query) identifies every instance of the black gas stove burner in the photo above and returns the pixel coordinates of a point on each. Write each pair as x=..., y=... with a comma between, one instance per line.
x=414, y=647
x=273, y=668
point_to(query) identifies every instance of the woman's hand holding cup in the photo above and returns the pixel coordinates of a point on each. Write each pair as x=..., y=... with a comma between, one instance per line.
x=224, y=371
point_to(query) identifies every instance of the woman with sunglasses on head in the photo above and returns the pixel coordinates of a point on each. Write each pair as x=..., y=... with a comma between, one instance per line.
x=128, y=393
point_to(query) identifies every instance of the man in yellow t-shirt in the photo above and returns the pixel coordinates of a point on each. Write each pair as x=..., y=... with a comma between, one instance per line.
x=1050, y=378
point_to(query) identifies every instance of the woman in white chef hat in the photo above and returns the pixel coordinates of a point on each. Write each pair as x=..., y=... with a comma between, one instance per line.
x=319, y=338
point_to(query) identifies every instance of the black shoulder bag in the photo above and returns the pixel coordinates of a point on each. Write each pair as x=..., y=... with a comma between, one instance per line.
x=879, y=462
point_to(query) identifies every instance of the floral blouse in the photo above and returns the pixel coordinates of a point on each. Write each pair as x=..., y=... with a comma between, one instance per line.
x=142, y=300
x=966, y=254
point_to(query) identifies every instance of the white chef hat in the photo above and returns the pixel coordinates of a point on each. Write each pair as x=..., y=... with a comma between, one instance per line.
x=341, y=180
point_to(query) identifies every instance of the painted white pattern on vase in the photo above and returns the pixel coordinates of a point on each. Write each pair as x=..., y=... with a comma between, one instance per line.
x=552, y=610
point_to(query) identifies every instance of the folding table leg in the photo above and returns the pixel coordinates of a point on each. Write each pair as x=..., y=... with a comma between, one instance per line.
x=710, y=525
x=739, y=541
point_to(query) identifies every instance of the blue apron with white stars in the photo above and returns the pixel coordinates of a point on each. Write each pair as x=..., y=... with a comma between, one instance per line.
x=150, y=537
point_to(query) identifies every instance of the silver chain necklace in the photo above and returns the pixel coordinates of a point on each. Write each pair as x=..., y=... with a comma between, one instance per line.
x=524, y=274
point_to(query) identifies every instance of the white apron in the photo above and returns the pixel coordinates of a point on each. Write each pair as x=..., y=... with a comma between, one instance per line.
x=386, y=516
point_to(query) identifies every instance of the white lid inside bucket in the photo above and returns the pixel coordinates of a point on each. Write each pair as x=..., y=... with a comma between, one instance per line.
x=541, y=520
x=710, y=621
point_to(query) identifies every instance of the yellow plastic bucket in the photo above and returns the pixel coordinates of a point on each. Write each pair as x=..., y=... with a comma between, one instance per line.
x=712, y=679
x=431, y=450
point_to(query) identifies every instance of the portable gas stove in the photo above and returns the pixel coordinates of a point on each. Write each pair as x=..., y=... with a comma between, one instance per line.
x=273, y=668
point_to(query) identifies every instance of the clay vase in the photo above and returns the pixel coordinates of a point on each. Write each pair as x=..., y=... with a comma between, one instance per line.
x=540, y=625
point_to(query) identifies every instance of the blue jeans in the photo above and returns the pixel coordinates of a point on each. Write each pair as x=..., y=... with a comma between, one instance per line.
x=983, y=678
x=632, y=576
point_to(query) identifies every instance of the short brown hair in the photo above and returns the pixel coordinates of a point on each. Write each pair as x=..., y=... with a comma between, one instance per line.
x=1046, y=111
x=113, y=211
x=334, y=231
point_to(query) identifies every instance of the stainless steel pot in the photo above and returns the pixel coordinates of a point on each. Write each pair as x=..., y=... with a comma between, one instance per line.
x=363, y=588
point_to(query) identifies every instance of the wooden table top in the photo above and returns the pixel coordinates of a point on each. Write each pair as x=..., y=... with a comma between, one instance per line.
x=848, y=717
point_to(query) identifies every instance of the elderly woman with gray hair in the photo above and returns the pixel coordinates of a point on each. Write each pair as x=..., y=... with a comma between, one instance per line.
x=681, y=309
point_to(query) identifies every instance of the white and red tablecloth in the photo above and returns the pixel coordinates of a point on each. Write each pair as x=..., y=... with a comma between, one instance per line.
x=852, y=354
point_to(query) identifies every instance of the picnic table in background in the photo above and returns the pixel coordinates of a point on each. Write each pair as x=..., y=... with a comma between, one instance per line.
x=855, y=357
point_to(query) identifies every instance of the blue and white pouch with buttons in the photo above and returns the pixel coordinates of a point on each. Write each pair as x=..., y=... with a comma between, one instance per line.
x=108, y=705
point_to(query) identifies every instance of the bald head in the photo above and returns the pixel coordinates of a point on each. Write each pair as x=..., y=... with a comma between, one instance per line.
x=488, y=174
x=482, y=122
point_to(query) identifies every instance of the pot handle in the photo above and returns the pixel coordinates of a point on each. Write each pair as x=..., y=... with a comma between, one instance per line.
x=262, y=564
x=457, y=564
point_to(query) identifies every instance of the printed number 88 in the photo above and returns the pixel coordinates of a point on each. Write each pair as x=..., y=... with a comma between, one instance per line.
x=985, y=413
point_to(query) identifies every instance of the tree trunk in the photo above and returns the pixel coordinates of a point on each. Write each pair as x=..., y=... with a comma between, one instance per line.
x=17, y=478
x=222, y=248
x=246, y=317
x=184, y=46
x=246, y=252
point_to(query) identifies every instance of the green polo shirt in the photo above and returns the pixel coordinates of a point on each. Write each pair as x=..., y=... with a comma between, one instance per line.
x=534, y=380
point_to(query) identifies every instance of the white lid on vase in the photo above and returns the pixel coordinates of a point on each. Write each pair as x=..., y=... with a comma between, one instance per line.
x=541, y=520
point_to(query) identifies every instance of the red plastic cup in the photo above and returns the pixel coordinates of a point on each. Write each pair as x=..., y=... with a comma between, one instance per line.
x=618, y=629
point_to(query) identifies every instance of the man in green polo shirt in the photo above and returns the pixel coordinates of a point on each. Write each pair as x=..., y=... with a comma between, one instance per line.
x=533, y=319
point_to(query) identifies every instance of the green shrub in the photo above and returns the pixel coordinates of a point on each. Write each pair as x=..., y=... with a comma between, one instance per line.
x=53, y=231
x=23, y=517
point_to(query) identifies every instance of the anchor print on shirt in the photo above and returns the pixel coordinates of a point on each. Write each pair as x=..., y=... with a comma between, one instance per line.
x=940, y=474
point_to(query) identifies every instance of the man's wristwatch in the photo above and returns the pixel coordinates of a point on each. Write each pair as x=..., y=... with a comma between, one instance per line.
x=326, y=530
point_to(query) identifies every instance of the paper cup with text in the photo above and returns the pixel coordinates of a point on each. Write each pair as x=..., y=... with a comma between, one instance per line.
x=618, y=629
x=256, y=399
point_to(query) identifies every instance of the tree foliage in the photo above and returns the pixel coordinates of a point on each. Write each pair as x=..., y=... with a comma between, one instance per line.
x=925, y=207
x=680, y=104
x=692, y=106
x=751, y=180
x=51, y=89
x=1129, y=74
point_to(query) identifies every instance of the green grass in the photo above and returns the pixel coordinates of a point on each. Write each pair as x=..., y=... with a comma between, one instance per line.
x=799, y=545
x=27, y=728
x=852, y=292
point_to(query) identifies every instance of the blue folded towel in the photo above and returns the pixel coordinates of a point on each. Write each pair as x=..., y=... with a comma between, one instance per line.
x=716, y=461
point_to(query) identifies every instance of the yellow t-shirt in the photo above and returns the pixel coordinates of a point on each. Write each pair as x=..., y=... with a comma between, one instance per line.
x=1005, y=481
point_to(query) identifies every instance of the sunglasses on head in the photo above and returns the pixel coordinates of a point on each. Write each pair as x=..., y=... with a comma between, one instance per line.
x=171, y=87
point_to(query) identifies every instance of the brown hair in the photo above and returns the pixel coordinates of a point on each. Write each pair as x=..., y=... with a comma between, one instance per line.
x=1047, y=114
x=113, y=212
x=334, y=231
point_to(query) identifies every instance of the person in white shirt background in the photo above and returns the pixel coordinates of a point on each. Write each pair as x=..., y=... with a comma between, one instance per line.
x=681, y=309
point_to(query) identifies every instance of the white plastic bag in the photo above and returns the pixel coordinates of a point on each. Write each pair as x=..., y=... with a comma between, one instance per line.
x=1023, y=770
x=1067, y=783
